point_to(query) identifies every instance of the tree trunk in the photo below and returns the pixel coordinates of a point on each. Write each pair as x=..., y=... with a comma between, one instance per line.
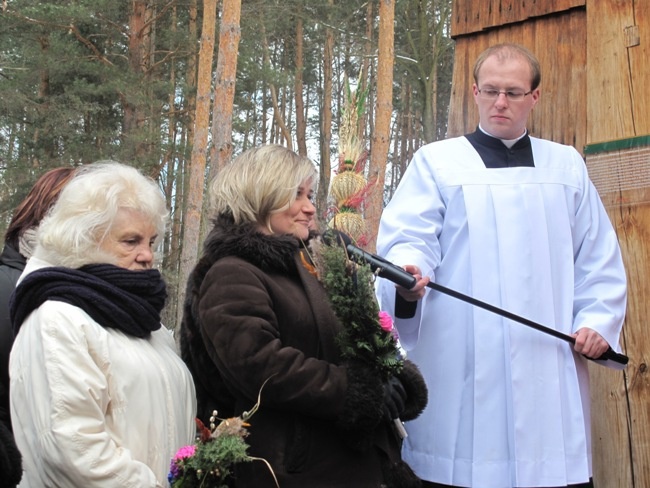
x=139, y=63
x=167, y=157
x=224, y=90
x=191, y=70
x=41, y=139
x=326, y=126
x=176, y=180
x=400, y=156
x=381, y=135
x=365, y=70
x=196, y=180
x=265, y=121
x=170, y=259
x=301, y=122
x=433, y=83
x=278, y=117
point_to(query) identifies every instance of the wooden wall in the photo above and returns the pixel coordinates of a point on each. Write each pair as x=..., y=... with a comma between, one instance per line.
x=595, y=95
x=473, y=16
x=560, y=114
x=618, y=159
x=618, y=57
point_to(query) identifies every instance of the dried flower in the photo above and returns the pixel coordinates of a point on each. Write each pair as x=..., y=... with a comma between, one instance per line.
x=349, y=186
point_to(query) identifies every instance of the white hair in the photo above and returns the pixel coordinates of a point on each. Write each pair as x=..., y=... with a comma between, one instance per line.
x=72, y=232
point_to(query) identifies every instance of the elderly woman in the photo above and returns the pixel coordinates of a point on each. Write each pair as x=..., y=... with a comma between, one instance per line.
x=99, y=395
x=254, y=312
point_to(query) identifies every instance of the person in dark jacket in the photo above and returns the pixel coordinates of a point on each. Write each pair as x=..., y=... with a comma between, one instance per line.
x=255, y=314
x=18, y=246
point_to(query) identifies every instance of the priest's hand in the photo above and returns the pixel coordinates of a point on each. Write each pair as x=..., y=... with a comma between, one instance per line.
x=417, y=292
x=590, y=343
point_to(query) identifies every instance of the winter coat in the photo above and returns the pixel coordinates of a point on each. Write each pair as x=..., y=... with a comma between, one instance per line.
x=254, y=313
x=94, y=407
x=12, y=264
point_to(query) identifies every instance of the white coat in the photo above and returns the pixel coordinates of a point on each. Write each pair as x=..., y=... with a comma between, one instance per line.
x=508, y=405
x=93, y=407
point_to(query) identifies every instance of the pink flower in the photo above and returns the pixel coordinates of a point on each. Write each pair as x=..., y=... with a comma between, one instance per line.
x=175, y=471
x=385, y=321
x=185, y=452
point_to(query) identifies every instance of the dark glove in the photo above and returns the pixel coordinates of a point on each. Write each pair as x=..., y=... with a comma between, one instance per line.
x=416, y=391
x=394, y=398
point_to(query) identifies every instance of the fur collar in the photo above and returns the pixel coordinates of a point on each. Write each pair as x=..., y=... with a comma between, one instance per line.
x=270, y=253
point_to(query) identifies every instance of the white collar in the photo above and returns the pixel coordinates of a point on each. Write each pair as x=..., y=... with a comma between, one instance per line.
x=508, y=142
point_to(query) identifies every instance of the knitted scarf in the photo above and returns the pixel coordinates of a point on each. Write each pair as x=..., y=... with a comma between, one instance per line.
x=114, y=297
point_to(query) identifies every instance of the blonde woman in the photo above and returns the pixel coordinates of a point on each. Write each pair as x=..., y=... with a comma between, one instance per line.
x=254, y=313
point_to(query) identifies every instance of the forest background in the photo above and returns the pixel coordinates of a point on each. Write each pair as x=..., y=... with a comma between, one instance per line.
x=176, y=87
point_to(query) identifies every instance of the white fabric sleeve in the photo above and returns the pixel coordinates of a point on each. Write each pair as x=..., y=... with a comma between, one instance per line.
x=408, y=234
x=600, y=285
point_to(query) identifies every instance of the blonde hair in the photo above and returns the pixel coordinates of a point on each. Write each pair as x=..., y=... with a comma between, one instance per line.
x=508, y=50
x=260, y=182
x=72, y=232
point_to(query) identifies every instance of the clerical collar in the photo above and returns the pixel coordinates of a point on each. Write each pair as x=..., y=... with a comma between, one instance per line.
x=507, y=142
x=495, y=154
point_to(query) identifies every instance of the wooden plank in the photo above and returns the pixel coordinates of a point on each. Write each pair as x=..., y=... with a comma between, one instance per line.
x=612, y=462
x=620, y=413
x=462, y=14
x=609, y=105
x=621, y=427
x=618, y=108
x=474, y=16
x=640, y=69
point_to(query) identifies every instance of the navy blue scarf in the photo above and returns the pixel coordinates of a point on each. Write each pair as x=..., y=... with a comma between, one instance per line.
x=114, y=297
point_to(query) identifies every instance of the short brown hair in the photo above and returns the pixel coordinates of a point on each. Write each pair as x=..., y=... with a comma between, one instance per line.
x=507, y=50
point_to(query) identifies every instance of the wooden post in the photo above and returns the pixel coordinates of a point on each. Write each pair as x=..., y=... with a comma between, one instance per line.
x=620, y=411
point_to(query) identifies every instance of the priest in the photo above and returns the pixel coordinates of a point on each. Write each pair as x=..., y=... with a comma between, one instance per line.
x=514, y=221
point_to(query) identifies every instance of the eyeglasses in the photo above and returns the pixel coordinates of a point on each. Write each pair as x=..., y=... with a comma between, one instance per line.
x=511, y=95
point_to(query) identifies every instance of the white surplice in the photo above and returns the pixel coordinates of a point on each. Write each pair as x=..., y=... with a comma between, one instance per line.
x=508, y=405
